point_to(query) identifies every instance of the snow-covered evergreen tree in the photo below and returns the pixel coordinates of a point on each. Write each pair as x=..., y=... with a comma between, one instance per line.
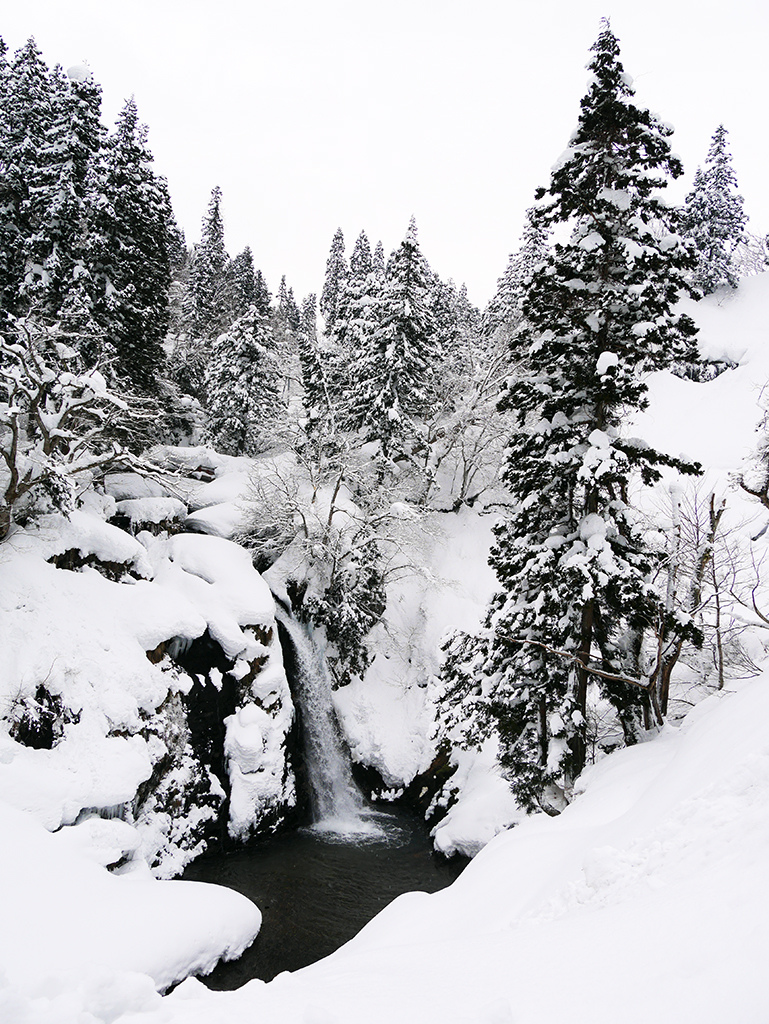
x=55, y=249
x=262, y=296
x=505, y=310
x=713, y=217
x=241, y=384
x=396, y=374
x=351, y=339
x=206, y=307
x=129, y=252
x=336, y=276
x=241, y=283
x=573, y=566
x=208, y=282
x=315, y=391
x=26, y=116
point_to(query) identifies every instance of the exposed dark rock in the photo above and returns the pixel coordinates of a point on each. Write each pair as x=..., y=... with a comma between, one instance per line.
x=38, y=721
x=74, y=560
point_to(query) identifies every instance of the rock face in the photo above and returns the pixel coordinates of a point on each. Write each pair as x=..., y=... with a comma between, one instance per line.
x=146, y=681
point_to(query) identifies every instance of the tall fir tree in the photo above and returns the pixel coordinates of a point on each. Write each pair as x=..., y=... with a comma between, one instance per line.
x=129, y=253
x=396, y=371
x=378, y=261
x=350, y=340
x=505, y=310
x=55, y=250
x=262, y=296
x=241, y=283
x=206, y=306
x=241, y=384
x=572, y=562
x=713, y=217
x=27, y=111
x=315, y=391
x=210, y=308
x=334, y=282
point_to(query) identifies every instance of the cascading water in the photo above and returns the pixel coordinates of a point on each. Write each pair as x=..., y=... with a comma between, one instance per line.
x=337, y=803
x=319, y=886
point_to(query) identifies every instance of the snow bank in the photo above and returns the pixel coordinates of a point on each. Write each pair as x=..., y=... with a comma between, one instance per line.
x=652, y=882
x=85, y=653
x=66, y=917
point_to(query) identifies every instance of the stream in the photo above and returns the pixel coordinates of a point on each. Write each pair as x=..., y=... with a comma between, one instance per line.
x=318, y=886
x=316, y=889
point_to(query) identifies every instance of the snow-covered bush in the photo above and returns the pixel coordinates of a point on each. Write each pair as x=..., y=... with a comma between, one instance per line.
x=55, y=421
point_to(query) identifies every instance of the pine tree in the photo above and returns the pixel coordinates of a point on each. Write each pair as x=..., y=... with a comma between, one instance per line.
x=397, y=371
x=714, y=219
x=576, y=596
x=262, y=297
x=351, y=337
x=206, y=307
x=241, y=387
x=26, y=109
x=505, y=310
x=378, y=261
x=336, y=276
x=129, y=251
x=210, y=310
x=241, y=282
x=54, y=249
x=315, y=398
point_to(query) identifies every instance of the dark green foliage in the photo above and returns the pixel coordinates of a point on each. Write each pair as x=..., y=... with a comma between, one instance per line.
x=26, y=117
x=241, y=281
x=396, y=371
x=351, y=605
x=505, y=311
x=574, y=569
x=262, y=297
x=208, y=283
x=55, y=253
x=315, y=394
x=129, y=253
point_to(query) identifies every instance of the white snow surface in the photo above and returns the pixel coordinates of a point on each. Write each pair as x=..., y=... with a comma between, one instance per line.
x=67, y=919
x=663, y=852
x=68, y=925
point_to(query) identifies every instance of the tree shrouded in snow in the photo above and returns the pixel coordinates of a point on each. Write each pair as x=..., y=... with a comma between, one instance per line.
x=241, y=386
x=336, y=277
x=55, y=253
x=315, y=392
x=397, y=370
x=351, y=338
x=713, y=217
x=129, y=252
x=506, y=308
x=576, y=598
x=209, y=261
x=207, y=302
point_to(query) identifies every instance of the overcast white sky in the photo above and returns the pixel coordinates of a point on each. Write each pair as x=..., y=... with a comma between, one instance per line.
x=313, y=114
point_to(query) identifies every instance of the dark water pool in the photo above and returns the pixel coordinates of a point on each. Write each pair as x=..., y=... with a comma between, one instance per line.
x=316, y=890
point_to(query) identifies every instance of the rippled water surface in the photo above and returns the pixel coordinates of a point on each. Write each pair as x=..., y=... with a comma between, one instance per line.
x=317, y=888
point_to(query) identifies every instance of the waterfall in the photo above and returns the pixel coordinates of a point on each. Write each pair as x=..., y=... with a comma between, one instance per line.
x=337, y=803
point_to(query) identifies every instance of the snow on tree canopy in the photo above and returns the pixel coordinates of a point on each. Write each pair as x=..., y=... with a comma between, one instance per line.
x=562, y=609
x=79, y=73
